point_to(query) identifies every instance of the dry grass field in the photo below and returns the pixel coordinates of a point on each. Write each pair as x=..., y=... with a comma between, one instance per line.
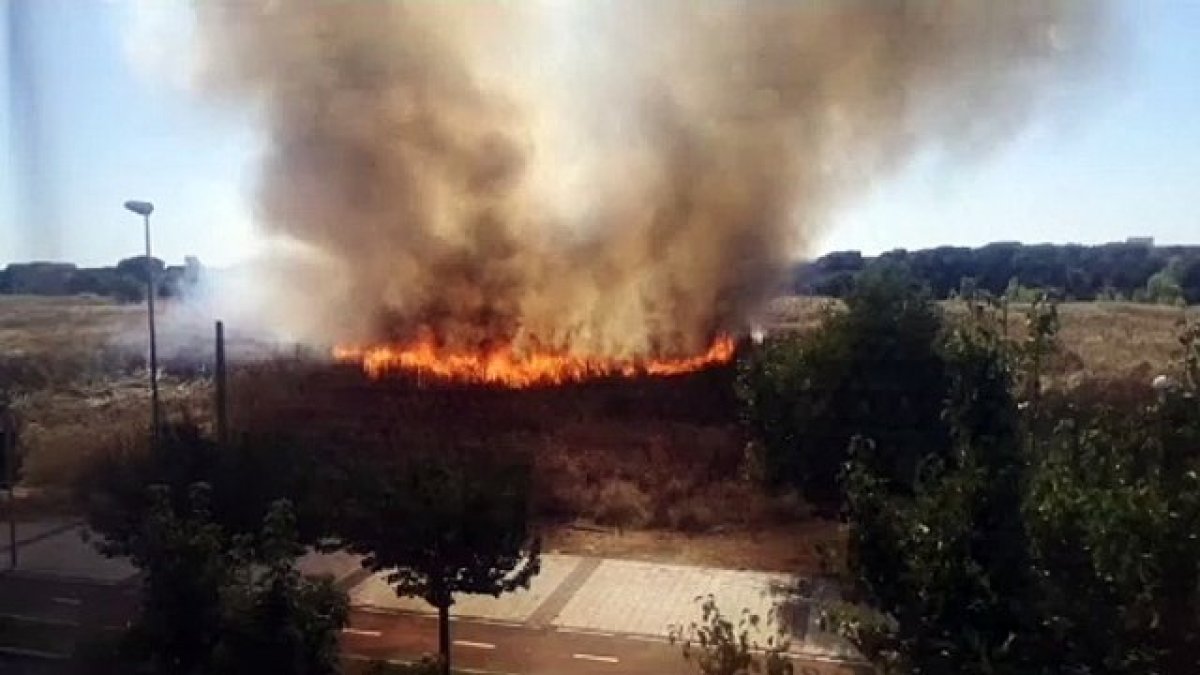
x=1102, y=341
x=642, y=470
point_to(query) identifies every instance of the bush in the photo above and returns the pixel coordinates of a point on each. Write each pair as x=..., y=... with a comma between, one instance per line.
x=694, y=514
x=621, y=503
x=875, y=370
x=1041, y=544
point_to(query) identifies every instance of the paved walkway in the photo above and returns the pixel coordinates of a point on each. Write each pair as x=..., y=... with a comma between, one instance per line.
x=603, y=598
x=641, y=599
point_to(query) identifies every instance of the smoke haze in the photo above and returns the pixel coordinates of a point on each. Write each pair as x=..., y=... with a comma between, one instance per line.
x=619, y=178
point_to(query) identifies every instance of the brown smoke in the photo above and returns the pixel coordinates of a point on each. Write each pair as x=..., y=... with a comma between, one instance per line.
x=616, y=178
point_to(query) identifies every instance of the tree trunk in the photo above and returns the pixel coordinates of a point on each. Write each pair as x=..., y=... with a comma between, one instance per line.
x=444, y=636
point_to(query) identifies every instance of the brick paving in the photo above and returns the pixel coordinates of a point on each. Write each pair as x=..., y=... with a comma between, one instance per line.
x=624, y=597
x=514, y=607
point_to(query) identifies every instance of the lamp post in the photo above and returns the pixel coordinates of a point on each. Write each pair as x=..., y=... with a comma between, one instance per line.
x=144, y=209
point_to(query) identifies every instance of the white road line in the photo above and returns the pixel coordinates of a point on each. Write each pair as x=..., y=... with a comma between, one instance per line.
x=367, y=633
x=593, y=657
x=583, y=631
x=59, y=623
x=402, y=662
x=477, y=645
x=74, y=602
x=646, y=638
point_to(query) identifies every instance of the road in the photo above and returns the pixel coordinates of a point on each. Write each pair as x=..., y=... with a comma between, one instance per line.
x=581, y=616
x=487, y=648
x=50, y=616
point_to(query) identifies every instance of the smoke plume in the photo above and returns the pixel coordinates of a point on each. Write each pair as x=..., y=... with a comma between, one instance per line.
x=615, y=178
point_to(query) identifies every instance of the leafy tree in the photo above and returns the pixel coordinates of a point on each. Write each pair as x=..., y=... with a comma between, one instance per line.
x=244, y=478
x=719, y=647
x=1061, y=550
x=442, y=524
x=1164, y=286
x=874, y=370
x=277, y=621
x=946, y=563
x=206, y=608
x=140, y=268
x=186, y=562
x=1071, y=271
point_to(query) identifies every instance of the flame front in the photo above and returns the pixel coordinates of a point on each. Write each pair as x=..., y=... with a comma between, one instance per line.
x=506, y=367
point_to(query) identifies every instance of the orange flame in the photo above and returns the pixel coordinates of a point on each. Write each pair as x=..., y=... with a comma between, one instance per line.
x=506, y=367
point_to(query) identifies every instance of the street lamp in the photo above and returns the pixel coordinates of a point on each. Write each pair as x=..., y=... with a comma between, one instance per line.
x=144, y=209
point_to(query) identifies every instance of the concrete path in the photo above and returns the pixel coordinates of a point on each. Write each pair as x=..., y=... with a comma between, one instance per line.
x=580, y=615
x=639, y=600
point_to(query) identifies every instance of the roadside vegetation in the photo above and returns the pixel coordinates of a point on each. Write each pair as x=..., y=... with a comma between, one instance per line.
x=1016, y=527
x=999, y=486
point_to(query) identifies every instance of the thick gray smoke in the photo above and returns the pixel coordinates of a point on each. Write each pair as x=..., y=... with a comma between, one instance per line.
x=613, y=178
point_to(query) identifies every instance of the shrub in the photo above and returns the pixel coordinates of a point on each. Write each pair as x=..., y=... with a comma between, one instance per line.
x=621, y=503
x=694, y=514
x=874, y=370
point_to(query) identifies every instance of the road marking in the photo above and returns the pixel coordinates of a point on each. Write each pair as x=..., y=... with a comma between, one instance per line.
x=367, y=633
x=59, y=623
x=593, y=657
x=477, y=645
x=33, y=653
x=584, y=631
x=402, y=662
x=74, y=602
x=646, y=638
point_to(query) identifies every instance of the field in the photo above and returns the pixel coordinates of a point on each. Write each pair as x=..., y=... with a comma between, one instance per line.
x=643, y=469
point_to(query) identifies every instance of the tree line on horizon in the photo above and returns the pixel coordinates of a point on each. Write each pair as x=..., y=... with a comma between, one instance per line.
x=124, y=282
x=1134, y=271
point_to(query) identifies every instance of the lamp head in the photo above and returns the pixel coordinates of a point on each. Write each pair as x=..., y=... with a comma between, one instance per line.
x=140, y=208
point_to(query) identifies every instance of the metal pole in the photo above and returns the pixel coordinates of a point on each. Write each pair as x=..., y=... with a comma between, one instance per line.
x=10, y=477
x=222, y=394
x=151, y=291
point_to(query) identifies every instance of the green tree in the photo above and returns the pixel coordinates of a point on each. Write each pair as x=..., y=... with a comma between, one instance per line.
x=1165, y=286
x=186, y=563
x=443, y=524
x=207, y=608
x=874, y=370
x=244, y=479
x=718, y=646
x=275, y=620
x=1032, y=548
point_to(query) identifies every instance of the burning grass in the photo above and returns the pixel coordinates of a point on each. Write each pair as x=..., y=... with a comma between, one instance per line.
x=509, y=367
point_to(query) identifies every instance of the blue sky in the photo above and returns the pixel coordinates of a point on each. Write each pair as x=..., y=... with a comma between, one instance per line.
x=91, y=128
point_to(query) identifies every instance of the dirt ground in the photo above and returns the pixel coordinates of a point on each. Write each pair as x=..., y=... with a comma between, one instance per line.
x=792, y=548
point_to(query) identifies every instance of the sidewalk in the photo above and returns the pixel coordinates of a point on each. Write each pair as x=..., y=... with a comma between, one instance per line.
x=622, y=597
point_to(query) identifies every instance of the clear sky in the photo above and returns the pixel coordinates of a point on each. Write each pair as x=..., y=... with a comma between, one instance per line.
x=90, y=128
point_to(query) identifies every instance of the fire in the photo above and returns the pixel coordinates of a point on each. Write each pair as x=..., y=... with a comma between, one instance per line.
x=507, y=367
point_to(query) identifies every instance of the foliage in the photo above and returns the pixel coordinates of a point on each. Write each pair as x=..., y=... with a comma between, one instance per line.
x=719, y=647
x=205, y=607
x=874, y=370
x=243, y=478
x=441, y=524
x=277, y=621
x=1071, y=271
x=1032, y=547
x=126, y=282
x=187, y=562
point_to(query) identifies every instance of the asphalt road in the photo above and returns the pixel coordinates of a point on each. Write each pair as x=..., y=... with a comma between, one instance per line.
x=49, y=616
x=495, y=648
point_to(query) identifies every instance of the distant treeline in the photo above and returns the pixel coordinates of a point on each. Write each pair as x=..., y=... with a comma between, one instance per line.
x=1135, y=271
x=126, y=282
